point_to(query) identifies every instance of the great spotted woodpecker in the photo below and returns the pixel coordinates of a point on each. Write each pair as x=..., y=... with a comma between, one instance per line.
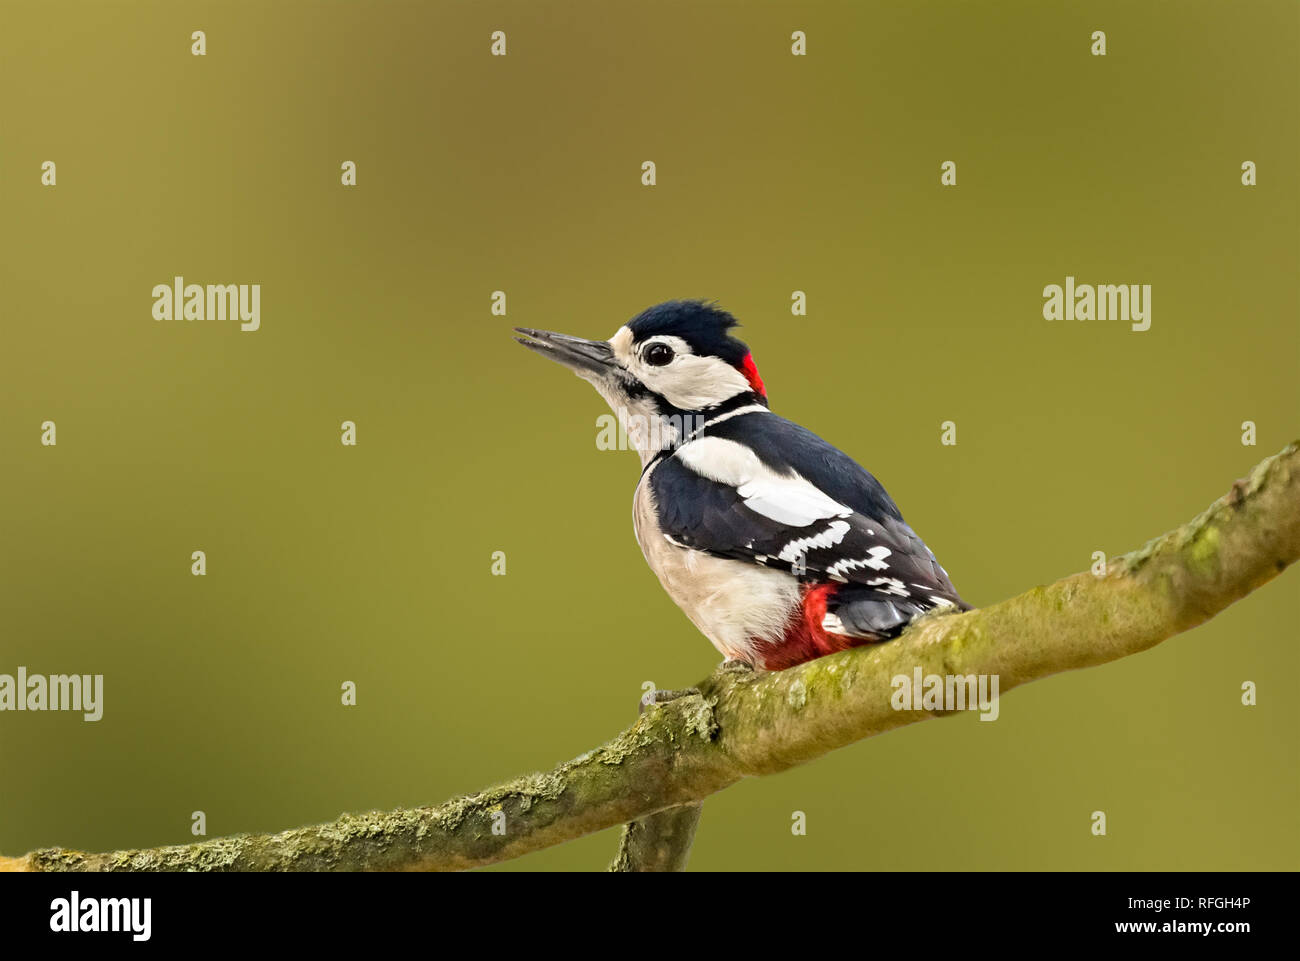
x=777, y=546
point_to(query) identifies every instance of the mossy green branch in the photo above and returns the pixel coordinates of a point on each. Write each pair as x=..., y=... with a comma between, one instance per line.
x=743, y=724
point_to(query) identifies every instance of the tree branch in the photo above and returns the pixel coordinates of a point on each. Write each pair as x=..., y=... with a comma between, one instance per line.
x=660, y=842
x=745, y=724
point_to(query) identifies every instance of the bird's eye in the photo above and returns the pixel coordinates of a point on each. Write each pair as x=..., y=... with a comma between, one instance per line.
x=658, y=355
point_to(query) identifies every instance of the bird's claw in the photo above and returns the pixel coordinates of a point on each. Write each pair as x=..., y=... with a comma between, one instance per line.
x=658, y=696
x=733, y=666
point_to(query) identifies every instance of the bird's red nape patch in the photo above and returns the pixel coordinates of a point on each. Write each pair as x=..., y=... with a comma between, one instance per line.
x=805, y=638
x=750, y=370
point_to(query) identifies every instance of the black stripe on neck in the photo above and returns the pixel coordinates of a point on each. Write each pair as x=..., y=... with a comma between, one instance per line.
x=700, y=420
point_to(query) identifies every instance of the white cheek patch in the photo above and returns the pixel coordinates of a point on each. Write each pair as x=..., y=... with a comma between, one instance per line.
x=690, y=382
x=695, y=383
x=785, y=499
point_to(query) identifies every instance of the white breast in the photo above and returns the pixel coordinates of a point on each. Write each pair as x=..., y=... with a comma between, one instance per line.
x=731, y=602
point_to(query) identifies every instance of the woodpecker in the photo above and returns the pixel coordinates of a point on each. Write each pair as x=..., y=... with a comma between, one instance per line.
x=778, y=547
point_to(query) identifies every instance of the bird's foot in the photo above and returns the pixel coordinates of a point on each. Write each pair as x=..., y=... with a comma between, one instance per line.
x=658, y=696
x=734, y=666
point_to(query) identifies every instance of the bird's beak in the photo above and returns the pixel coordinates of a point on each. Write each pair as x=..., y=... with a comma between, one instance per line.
x=584, y=357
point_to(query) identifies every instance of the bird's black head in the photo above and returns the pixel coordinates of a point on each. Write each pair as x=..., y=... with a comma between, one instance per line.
x=705, y=328
x=681, y=350
x=675, y=359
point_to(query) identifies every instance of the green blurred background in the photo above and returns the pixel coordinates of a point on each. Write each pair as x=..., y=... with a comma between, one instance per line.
x=478, y=173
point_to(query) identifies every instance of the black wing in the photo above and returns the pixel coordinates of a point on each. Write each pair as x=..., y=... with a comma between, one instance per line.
x=827, y=521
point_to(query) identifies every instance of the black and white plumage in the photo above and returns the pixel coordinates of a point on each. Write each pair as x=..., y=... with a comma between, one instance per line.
x=778, y=546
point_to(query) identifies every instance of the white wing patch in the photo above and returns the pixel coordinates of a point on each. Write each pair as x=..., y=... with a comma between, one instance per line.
x=889, y=585
x=786, y=499
x=875, y=561
x=827, y=538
